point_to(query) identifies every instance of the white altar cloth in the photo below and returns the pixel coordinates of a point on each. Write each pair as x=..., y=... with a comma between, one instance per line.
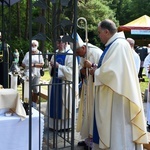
x=14, y=133
x=9, y=98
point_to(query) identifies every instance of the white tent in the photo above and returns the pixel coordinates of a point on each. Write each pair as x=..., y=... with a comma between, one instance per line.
x=141, y=23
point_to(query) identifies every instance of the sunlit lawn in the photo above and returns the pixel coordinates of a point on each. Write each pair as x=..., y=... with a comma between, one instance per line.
x=46, y=76
x=46, y=79
x=144, y=85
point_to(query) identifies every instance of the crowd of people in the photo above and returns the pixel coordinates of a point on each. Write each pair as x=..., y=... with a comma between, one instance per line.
x=119, y=120
x=111, y=114
x=37, y=64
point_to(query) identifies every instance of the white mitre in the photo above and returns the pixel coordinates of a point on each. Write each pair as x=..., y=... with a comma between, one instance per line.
x=79, y=41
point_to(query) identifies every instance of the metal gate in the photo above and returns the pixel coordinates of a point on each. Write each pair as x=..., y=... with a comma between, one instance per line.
x=61, y=134
x=58, y=133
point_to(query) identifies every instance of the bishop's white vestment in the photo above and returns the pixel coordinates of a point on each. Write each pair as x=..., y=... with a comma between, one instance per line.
x=85, y=115
x=119, y=113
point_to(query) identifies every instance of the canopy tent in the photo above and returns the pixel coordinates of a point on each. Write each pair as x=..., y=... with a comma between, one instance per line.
x=142, y=23
x=8, y=2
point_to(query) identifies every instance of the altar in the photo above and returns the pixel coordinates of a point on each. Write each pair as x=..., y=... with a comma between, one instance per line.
x=10, y=99
x=14, y=132
x=14, y=123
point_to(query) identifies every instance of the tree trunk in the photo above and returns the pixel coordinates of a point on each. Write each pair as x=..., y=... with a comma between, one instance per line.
x=27, y=20
x=18, y=20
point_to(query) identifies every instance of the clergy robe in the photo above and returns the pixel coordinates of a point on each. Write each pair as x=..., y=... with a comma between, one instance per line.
x=146, y=66
x=137, y=61
x=119, y=113
x=61, y=91
x=85, y=115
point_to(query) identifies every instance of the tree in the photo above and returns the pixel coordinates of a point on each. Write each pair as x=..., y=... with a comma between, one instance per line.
x=94, y=11
x=138, y=8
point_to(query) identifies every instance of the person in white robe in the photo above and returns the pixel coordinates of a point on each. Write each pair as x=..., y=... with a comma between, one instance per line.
x=60, y=91
x=37, y=64
x=85, y=114
x=135, y=55
x=146, y=65
x=119, y=121
x=148, y=48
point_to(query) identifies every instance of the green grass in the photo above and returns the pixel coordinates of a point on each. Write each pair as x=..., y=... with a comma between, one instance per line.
x=144, y=85
x=46, y=78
